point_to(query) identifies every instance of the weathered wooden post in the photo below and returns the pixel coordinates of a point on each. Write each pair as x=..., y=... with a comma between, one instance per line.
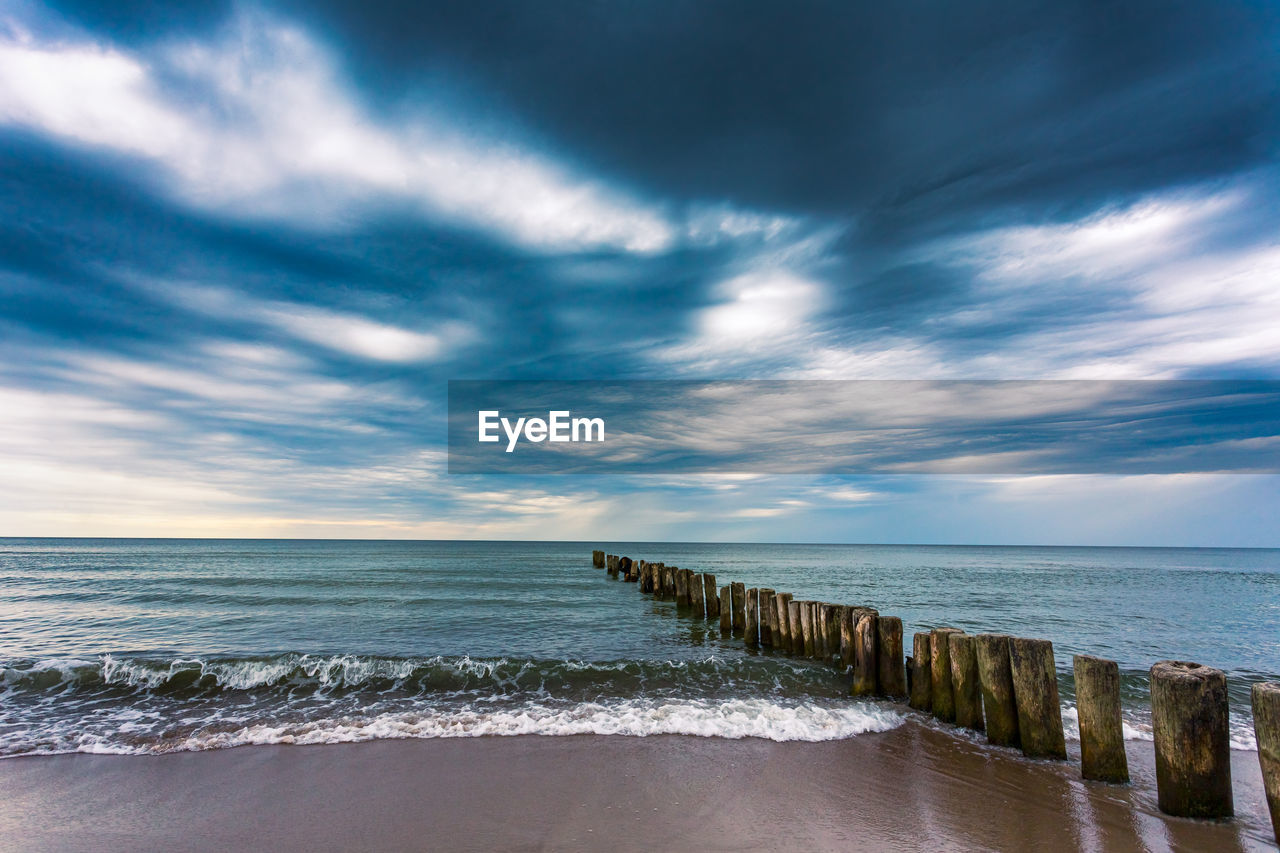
x=942, y=692
x=768, y=618
x=709, y=592
x=848, y=626
x=726, y=610
x=891, y=677
x=996, y=677
x=831, y=643
x=628, y=568
x=782, y=601
x=965, y=687
x=806, y=628
x=669, y=581
x=1035, y=691
x=1189, y=721
x=819, y=630
x=795, y=621
x=682, y=588
x=597, y=559
x=696, y=600
x=739, y=594
x=1102, y=755
x=921, y=673
x=865, y=663
x=751, y=632
x=1266, y=729
x=689, y=580
x=611, y=563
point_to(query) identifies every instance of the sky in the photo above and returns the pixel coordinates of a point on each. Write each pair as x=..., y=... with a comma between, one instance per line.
x=244, y=247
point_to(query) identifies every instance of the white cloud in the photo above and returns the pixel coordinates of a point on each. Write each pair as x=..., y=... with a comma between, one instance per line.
x=259, y=123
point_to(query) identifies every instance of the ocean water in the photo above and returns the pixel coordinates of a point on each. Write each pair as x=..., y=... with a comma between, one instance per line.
x=142, y=646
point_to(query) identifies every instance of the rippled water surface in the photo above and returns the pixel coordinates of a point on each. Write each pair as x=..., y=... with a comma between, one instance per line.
x=154, y=645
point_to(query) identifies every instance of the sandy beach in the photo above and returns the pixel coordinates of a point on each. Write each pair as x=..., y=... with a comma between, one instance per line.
x=914, y=788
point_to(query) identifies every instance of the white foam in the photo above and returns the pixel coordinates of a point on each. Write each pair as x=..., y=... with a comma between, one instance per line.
x=1241, y=733
x=735, y=719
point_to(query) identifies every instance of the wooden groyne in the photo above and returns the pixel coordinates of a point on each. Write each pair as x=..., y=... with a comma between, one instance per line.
x=999, y=684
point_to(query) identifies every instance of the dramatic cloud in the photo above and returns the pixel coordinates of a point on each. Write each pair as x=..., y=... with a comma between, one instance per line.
x=244, y=246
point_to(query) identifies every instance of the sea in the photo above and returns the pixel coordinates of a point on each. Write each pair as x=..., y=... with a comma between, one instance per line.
x=140, y=646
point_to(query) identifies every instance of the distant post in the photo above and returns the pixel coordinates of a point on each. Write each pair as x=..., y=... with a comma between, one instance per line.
x=709, y=592
x=751, y=631
x=1189, y=720
x=739, y=593
x=696, y=600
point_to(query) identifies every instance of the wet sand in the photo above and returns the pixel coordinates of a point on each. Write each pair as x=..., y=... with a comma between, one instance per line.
x=914, y=788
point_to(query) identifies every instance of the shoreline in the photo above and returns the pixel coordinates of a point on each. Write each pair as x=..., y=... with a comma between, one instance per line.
x=914, y=787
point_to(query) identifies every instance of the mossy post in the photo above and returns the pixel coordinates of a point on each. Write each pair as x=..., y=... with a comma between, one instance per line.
x=998, y=704
x=891, y=676
x=806, y=628
x=768, y=618
x=941, y=690
x=1266, y=728
x=1102, y=757
x=782, y=601
x=794, y=623
x=920, y=680
x=751, y=633
x=1189, y=720
x=848, y=619
x=865, y=663
x=709, y=593
x=965, y=687
x=696, y=599
x=726, y=610
x=738, y=592
x=1035, y=691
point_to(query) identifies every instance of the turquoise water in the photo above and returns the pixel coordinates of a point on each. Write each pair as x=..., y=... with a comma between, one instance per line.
x=155, y=645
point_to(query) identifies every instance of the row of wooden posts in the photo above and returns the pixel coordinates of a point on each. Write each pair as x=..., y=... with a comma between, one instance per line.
x=1002, y=685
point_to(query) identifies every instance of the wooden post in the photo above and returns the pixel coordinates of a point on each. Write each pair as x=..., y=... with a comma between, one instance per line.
x=1035, y=691
x=1266, y=729
x=726, y=611
x=806, y=628
x=942, y=692
x=768, y=618
x=668, y=581
x=965, y=686
x=611, y=563
x=996, y=678
x=1189, y=720
x=689, y=580
x=782, y=601
x=831, y=636
x=751, y=633
x=682, y=588
x=921, y=677
x=848, y=626
x=597, y=559
x=795, y=623
x=628, y=568
x=891, y=677
x=709, y=593
x=739, y=593
x=696, y=600
x=819, y=630
x=865, y=663
x=1102, y=755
